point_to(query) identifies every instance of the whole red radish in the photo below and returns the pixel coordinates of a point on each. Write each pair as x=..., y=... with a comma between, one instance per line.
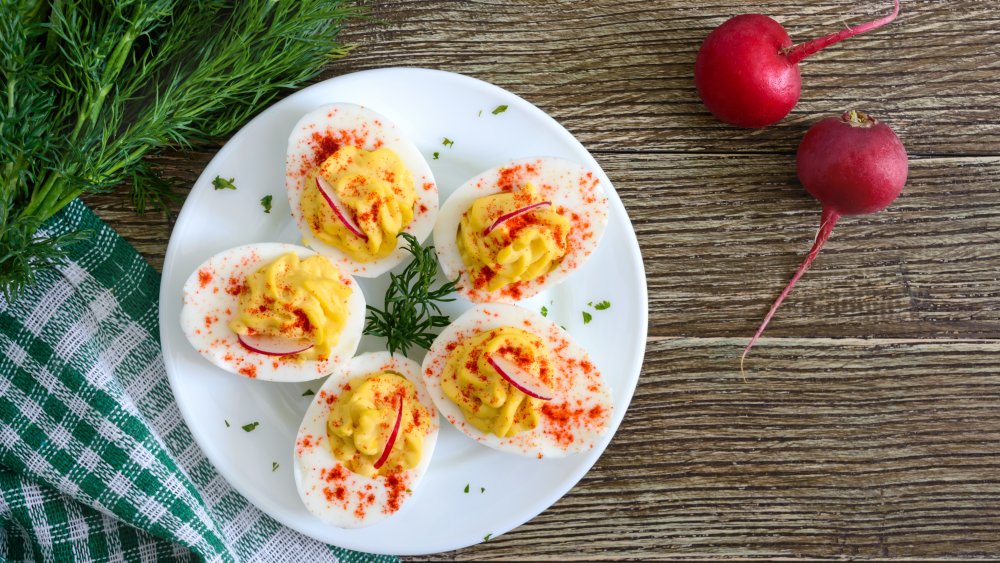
x=854, y=165
x=747, y=72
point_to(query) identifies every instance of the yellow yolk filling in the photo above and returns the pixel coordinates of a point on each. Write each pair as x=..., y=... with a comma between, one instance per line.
x=361, y=421
x=295, y=300
x=520, y=249
x=488, y=401
x=376, y=189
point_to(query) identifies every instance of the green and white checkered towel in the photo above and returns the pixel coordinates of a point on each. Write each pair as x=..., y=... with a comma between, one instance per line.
x=95, y=460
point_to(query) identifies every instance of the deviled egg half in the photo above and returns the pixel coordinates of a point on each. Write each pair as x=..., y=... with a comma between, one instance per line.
x=521, y=227
x=516, y=382
x=354, y=183
x=273, y=311
x=366, y=441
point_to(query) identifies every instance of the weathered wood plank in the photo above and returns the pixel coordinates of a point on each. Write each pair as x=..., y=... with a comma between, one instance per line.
x=831, y=448
x=721, y=235
x=619, y=73
x=843, y=447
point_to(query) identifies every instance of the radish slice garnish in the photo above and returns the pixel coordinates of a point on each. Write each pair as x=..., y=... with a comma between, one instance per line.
x=392, y=436
x=273, y=345
x=330, y=195
x=519, y=378
x=516, y=213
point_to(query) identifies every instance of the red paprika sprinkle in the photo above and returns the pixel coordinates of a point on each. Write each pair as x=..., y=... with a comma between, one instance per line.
x=235, y=286
x=337, y=473
x=326, y=145
x=564, y=420
x=306, y=442
x=204, y=277
x=396, y=487
x=339, y=493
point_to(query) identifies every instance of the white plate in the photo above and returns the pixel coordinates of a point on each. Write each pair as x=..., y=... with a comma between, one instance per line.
x=429, y=106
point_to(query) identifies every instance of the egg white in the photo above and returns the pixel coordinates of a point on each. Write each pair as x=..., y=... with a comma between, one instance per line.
x=563, y=182
x=571, y=382
x=205, y=320
x=367, y=130
x=313, y=457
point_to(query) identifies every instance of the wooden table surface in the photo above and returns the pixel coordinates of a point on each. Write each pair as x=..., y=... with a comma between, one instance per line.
x=869, y=424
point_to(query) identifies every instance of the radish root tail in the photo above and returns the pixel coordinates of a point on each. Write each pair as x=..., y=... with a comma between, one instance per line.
x=803, y=50
x=827, y=222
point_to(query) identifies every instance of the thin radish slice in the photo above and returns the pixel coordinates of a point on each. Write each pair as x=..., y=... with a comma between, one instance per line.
x=516, y=213
x=330, y=195
x=272, y=345
x=392, y=436
x=519, y=378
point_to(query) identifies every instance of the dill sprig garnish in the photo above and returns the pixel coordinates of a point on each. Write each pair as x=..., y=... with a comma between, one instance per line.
x=411, y=307
x=87, y=89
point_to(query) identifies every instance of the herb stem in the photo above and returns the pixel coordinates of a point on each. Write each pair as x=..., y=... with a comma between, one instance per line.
x=41, y=199
x=412, y=309
x=93, y=87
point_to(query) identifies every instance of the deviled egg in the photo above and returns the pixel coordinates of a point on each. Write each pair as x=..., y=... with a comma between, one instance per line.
x=516, y=382
x=516, y=229
x=354, y=182
x=366, y=441
x=273, y=311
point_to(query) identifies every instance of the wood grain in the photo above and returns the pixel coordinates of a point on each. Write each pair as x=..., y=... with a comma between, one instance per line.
x=868, y=427
x=722, y=235
x=832, y=448
x=619, y=73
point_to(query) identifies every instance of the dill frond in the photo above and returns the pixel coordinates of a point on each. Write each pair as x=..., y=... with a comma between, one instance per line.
x=411, y=312
x=88, y=89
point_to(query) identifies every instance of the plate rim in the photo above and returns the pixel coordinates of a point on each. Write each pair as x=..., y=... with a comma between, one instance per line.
x=616, y=206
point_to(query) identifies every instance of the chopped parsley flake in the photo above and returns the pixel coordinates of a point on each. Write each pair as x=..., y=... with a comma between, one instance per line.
x=266, y=203
x=499, y=109
x=274, y=466
x=480, y=114
x=466, y=488
x=250, y=427
x=409, y=491
x=488, y=536
x=603, y=305
x=227, y=424
x=221, y=183
x=545, y=311
x=437, y=155
x=482, y=490
x=308, y=393
x=448, y=142
x=587, y=317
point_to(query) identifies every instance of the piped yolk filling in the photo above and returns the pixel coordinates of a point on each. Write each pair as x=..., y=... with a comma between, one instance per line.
x=293, y=299
x=361, y=420
x=520, y=249
x=487, y=400
x=376, y=189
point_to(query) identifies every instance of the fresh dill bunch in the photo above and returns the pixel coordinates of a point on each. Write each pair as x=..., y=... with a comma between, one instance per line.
x=87, y=89
x=411, y=307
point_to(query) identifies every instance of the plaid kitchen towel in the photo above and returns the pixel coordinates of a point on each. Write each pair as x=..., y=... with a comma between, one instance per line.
x=95, y=460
